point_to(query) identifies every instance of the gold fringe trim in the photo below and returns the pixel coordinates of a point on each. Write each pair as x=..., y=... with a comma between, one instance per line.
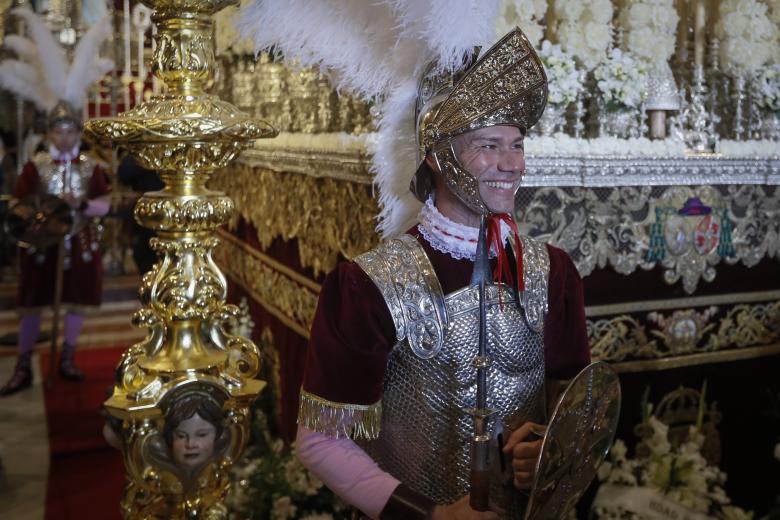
x=355, y=421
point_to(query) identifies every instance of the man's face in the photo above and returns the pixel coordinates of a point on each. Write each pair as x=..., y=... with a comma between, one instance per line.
x=64, y=137
x=495, y=157
x=193, y=442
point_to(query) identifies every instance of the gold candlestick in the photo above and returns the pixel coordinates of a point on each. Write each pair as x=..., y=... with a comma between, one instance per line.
x=182, y=394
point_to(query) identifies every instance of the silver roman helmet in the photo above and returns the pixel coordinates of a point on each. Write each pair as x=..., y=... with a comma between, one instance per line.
x=506, y=85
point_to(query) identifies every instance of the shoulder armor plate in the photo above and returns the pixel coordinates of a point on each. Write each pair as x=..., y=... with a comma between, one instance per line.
x=404, y=275
x=536, y=272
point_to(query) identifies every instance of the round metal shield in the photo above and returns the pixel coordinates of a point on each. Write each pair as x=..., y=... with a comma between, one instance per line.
x=578, y=438
x=39, y=220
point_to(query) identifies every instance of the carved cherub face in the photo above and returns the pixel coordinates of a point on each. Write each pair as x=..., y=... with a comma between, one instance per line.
x=193, y=442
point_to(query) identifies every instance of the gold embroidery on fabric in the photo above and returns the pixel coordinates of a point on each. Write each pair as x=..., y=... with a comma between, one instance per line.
x=289, y=296
x=328, y=217
x=355, y=421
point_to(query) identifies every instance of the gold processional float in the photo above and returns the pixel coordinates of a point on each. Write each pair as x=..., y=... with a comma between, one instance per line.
x=182, y=394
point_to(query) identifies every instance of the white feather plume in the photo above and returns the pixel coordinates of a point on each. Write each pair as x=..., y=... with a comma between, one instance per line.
x=83, y=71
x=23, y=47
x=395, y=160
x=376, y=49
x=25, y=81
x=42, y=74
x=51, y=55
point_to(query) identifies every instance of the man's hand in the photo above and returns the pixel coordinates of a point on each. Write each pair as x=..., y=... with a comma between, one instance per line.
x=525, y=452
x=461, y=510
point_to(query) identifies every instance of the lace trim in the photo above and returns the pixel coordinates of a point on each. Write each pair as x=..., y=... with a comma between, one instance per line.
x=457, y=240
x=355, y=421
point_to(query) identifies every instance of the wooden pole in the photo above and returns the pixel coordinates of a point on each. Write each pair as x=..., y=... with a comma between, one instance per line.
x=55, y=324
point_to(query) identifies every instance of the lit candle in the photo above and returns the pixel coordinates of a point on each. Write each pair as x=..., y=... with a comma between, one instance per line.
x=128, y=64
x=698, y=34
x=682, y=28
x=141, y=63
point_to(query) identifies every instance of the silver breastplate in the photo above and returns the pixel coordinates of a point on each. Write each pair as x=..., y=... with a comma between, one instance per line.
x=426, y=432
x=57, y=179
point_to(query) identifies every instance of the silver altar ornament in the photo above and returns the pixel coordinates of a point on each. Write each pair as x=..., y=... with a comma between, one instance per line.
x=662, y=96
x=697, y=122
x=739, y=106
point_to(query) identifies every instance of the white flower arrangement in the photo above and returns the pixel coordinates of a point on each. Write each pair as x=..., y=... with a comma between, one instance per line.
x=562, y=145
x=271, y=483
x=650, y=27
x=524, y=14
x=768, y=85
x=562, y=75
x=747, y=35
x=676, y=474
x=583, y=29
x=621, y=81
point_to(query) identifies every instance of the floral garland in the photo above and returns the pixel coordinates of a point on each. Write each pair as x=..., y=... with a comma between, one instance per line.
x=524, y=14
x=583, y=29
x=674, y=475
x=562, y=76
x=650, y=27
x=621, y=81
x=747, y=35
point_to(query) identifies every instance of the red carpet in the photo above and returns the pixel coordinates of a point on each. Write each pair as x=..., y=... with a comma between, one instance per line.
x=86, y=476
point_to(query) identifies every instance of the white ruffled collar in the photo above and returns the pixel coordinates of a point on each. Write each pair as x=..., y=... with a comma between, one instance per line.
x=457, y=240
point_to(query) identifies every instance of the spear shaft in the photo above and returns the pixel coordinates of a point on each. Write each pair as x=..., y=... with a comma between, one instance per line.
x=480, y=479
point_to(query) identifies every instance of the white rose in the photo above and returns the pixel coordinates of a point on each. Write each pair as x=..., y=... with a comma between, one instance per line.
x=540, y=8
x=643, y=42
x=763, y=29
x=667, y=18
x=568, y=9
x=619, y=449
x=599, y=35
x=734, y=23
x=638, y=14
x=534, y=32
x=283, y=509
x=601, y=10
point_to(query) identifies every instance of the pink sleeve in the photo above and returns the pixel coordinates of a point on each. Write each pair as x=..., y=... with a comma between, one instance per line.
x=97, y=208
x=347, y=470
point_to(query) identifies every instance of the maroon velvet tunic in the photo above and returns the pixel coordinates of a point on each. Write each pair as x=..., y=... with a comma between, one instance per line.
x=353, y=333
x=82, y=282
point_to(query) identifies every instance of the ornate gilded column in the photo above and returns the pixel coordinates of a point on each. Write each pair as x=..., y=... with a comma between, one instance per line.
x=182, y=394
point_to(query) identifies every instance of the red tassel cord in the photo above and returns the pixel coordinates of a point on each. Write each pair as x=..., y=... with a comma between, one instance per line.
x=502, y=269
